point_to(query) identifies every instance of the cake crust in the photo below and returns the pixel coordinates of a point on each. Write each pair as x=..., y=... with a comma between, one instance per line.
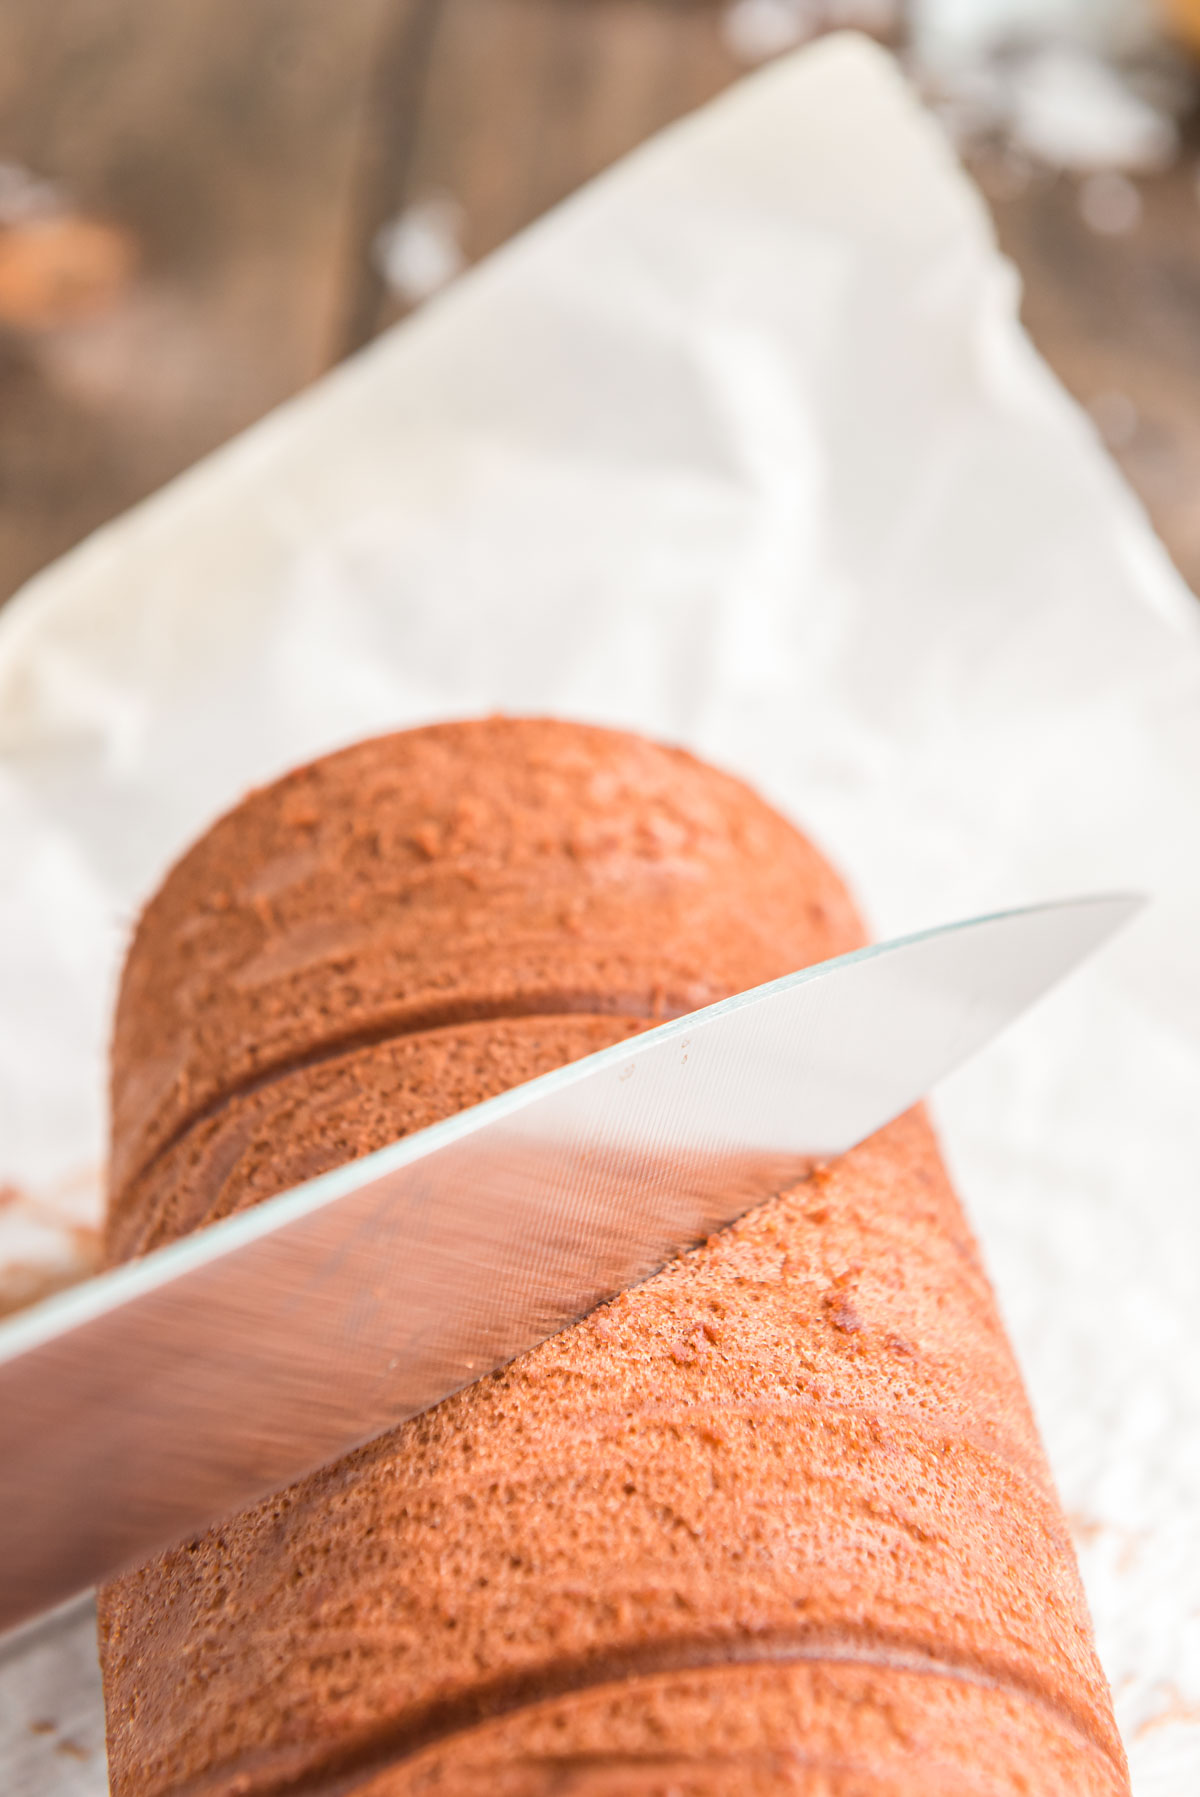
x=776, y=1520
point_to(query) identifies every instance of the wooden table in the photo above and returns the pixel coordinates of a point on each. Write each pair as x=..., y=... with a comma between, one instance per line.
x=226, y=167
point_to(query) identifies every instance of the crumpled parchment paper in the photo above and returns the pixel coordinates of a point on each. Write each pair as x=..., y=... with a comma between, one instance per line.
x=743, y=446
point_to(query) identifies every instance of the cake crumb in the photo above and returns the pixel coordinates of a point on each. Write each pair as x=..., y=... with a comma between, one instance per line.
x=689, y=1348
x=842, y=1314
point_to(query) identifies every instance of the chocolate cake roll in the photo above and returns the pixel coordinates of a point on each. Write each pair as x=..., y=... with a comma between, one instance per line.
x=775, y=1521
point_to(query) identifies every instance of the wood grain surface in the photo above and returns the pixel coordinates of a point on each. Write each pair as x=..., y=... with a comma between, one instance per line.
x=225, y=139
x=1117, y=316
x=223, y=171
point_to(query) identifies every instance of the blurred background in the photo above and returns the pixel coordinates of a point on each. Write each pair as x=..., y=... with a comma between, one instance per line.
x=207, y=203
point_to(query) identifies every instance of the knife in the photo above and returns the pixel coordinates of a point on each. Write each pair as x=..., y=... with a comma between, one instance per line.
x=147, y=1403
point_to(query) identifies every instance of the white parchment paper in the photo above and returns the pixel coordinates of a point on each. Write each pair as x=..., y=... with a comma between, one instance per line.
x=744, y=447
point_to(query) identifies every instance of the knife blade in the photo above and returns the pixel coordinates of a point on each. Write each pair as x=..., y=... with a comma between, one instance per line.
x=153, y=1400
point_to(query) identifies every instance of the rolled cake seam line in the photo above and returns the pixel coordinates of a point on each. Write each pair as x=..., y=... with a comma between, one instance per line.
x=425, y=1020
x=531, y=787
x=744, y=1602
x=353, y=1762
x=330, y=1055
